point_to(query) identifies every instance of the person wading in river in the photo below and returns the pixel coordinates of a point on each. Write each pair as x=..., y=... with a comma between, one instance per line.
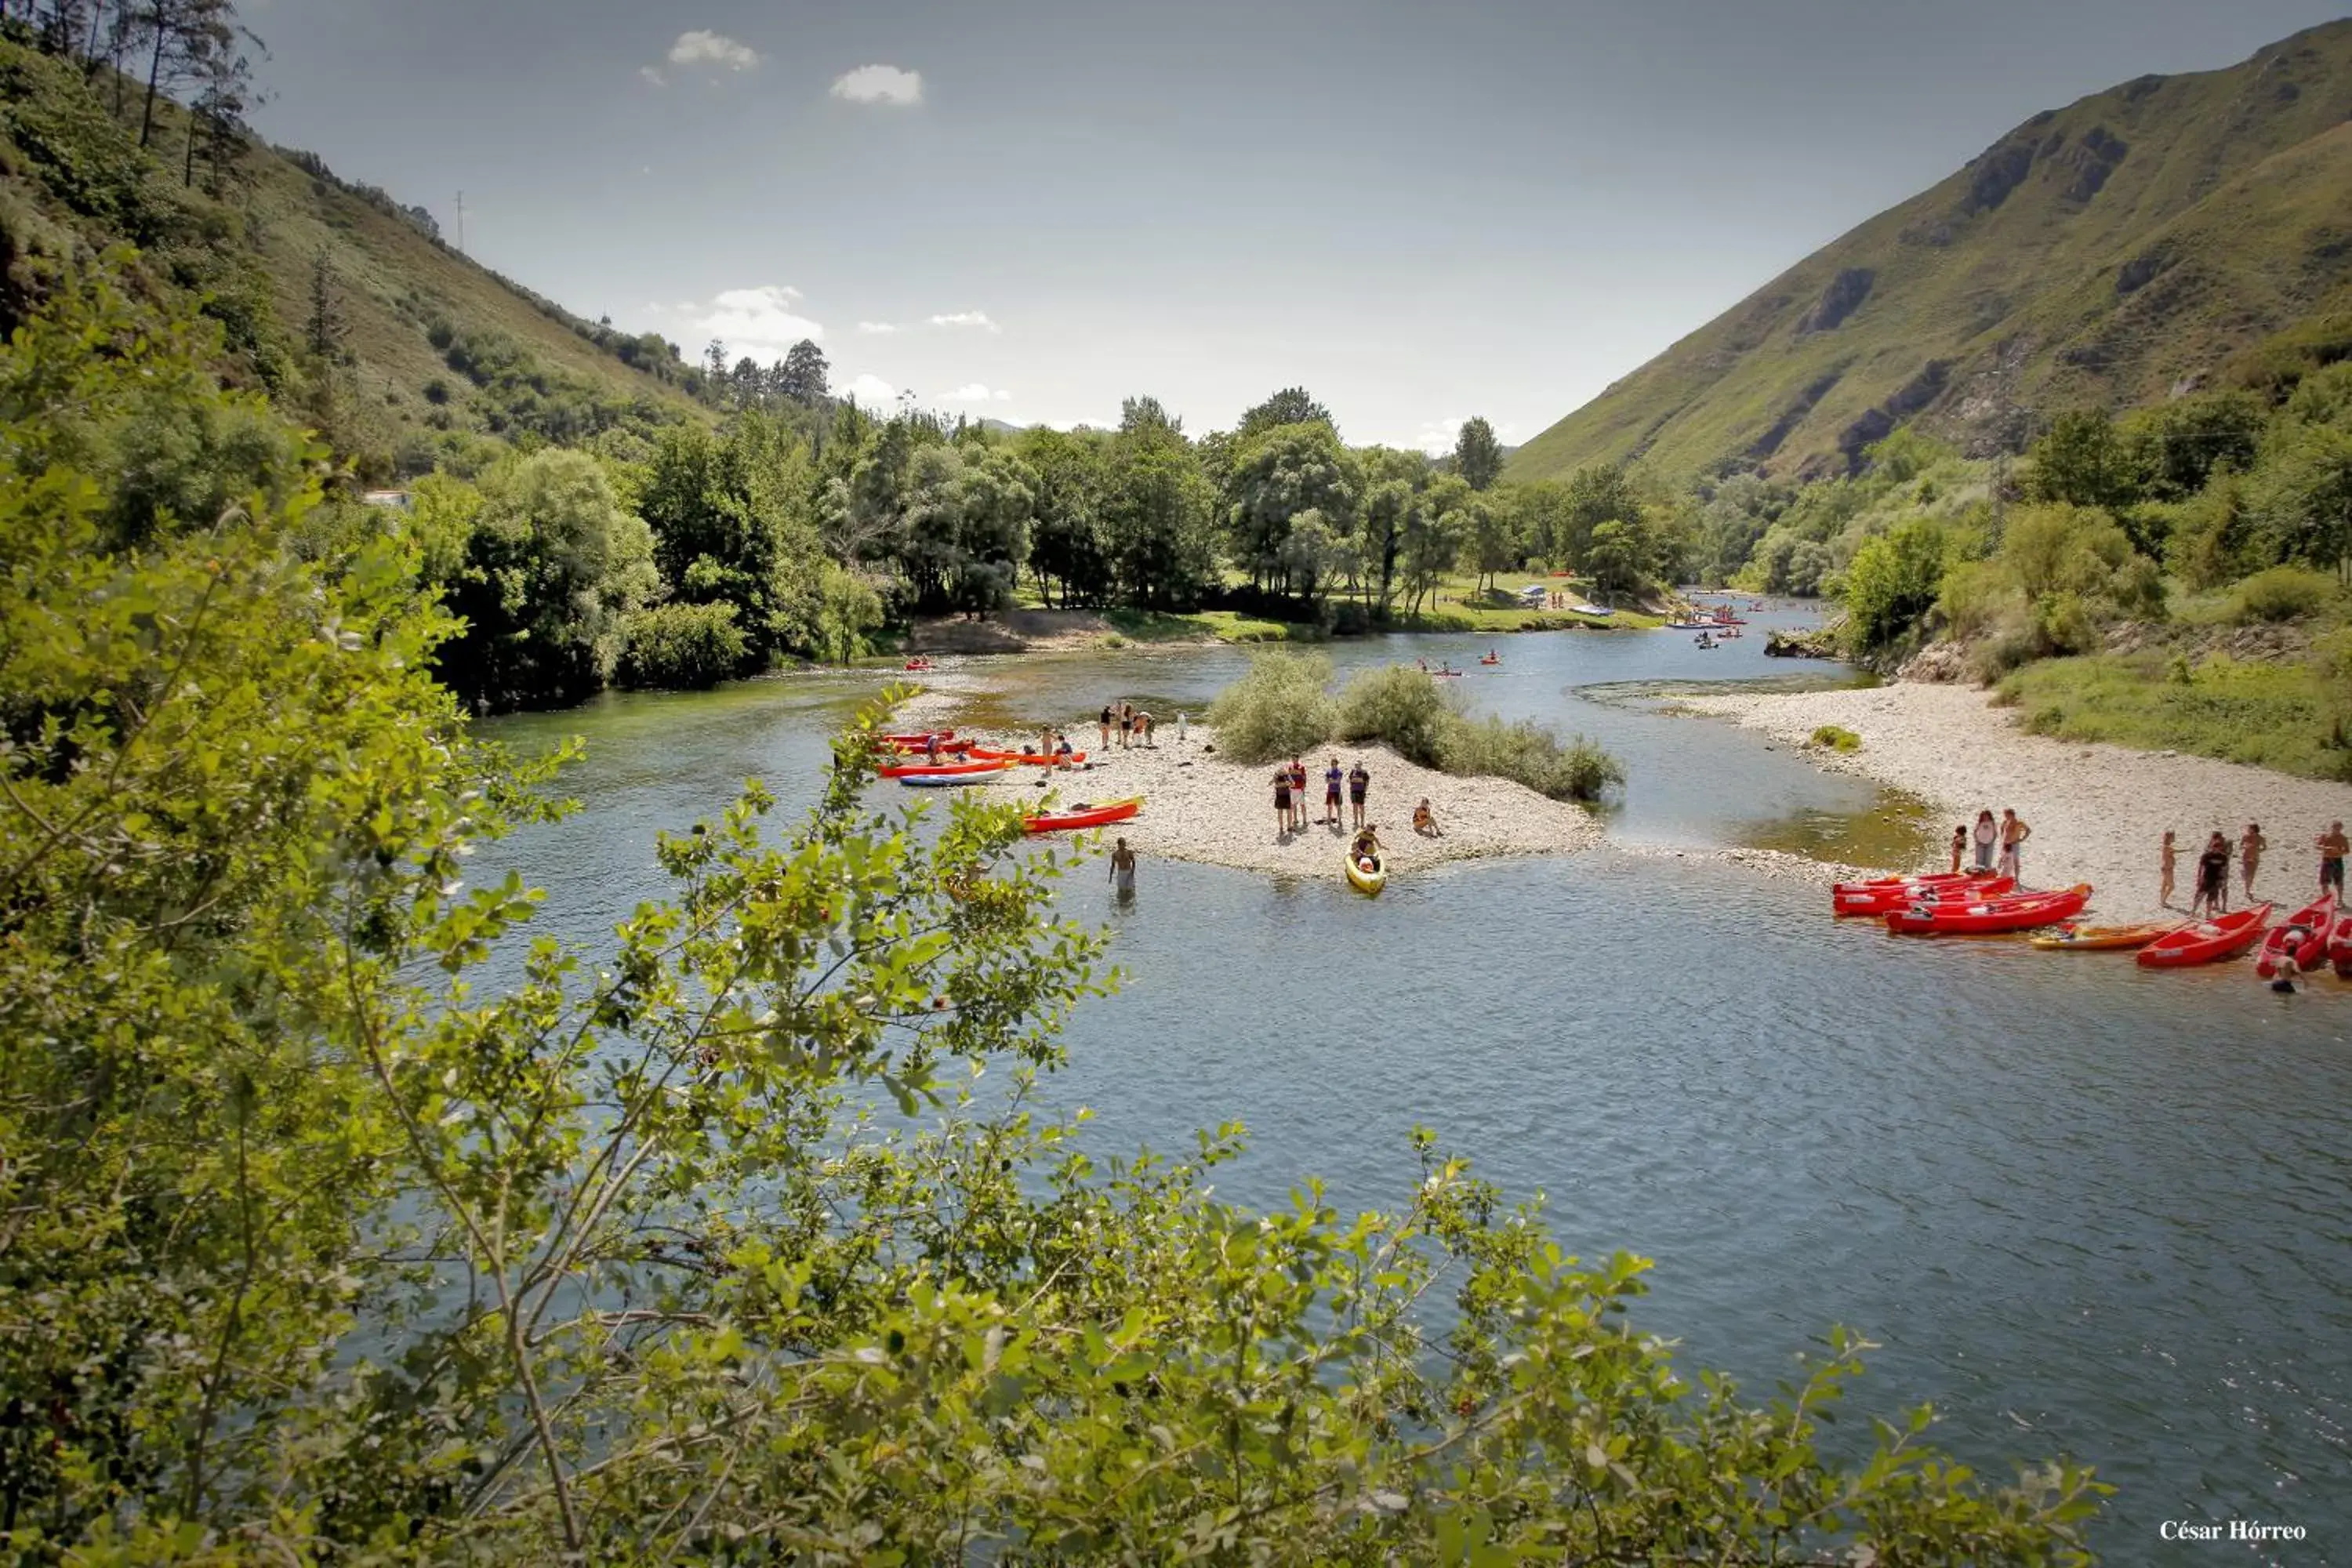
x=1122, y=869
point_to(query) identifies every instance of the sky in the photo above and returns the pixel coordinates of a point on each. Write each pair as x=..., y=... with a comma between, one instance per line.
x=1419, y=210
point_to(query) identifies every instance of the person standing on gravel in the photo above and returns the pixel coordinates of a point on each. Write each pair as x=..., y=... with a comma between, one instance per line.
x=1360, y=783
x=1987, y=839
x=1105, y=727
x=2333, y=846
x=2172, y=857
x=1143, y=728
x=2212, y=878
x=1281, y=803
x=1332, y=777
x=2251, y=844
x=2014, y=835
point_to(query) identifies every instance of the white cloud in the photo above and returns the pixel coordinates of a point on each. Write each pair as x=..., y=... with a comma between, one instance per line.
x=652, y=77
x=967, y=318
x=714, y=50
x=872, y=392
x=876, y=328
x=880, y=84
x=757, y=321
x=975, y=392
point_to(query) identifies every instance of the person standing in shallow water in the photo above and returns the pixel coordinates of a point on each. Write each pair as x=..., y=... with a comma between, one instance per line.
x=1122, y=869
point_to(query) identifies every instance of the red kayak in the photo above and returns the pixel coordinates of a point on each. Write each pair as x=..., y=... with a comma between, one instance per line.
x=918, y=738
x=2340, y=946
x=2018, y=911
x=1084, y=815
x=2301, y=940
x=938, y=770
x=2206, y=941
x=1885, y=898
x=947, y=749
x=1023, y=759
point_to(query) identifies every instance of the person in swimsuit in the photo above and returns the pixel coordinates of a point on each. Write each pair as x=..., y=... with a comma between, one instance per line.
x=1366, y=847
x=1143, y=728
x=1122, y=869
x=1332, y=779
x=2251, y=844
x=2014, y=835
x=2212, y=878
x=1359, y=781
x=2172, y=856
x=1986, y=837
x=1281, y=805
x=2333, y=847
x=1960, y=847
x=1062, y=751
x=1105, y=727
x=1424, y=821
x=1298, y=793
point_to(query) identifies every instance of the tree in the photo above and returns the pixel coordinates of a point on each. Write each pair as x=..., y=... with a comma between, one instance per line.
x=1892, y=581
x=1291, y=405
x=1066, y=545
x=714, y=366
x=1431, y=542
x=323, y=331
x=806, y=371
x=2083, y=462
x=1146, y=412
x=1597, y=493
x=2303, y=496
x=1494, y=543
x=1477, y=456
x=1284, y=471
x=1158, y=516
x=1617, y=556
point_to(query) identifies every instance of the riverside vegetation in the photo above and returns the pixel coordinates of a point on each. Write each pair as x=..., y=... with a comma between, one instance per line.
x=313, y=1252
x=1283, y=707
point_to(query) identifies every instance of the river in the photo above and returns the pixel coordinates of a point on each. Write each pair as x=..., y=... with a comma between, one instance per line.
x=2083, y=1208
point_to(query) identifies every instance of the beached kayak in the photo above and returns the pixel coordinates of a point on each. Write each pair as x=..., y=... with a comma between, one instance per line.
x=917, y=769
x=916, y=738
x=2340, y=946
x=1366, y=879
x=947, y=781
x=1901, y=892
x=2017, y=911
x=1084, y=815
x=2101, y=938
x=2300, y=940
x=1023, y=759
x=2206, y=941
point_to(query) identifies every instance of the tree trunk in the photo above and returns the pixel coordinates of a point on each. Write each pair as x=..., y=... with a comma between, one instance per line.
x=155, y=77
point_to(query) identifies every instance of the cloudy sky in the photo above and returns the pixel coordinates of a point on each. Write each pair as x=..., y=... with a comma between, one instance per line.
x=1420, y=210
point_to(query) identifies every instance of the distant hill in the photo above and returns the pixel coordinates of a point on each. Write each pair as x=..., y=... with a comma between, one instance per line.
x=2138, y=243
x=422, y=345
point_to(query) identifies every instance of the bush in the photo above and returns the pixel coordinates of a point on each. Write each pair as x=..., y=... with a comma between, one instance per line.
x=2281, y=594
x=1399, y=706
x=682, y=645
x=1526, y=753
x=1836, y=739
x=1278, y=710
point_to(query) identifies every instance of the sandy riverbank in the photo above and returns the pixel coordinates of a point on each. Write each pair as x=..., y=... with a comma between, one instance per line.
x=1199, y=806
x=2099, y=811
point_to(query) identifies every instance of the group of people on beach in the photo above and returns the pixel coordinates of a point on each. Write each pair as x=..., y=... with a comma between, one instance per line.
x=1996, y=846
x=1290, y=801
x=2212, y=895
x=1133, y=726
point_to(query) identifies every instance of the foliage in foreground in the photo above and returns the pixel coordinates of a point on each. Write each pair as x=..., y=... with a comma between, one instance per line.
x=717, y=1245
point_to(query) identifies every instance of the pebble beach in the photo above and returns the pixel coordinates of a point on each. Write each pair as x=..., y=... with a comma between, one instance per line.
x=2098, y=813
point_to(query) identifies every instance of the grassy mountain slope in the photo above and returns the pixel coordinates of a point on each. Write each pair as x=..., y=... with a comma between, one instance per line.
x=424, y=345
x=2139, y=240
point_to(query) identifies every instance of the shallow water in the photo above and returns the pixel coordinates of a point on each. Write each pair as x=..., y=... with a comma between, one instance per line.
x=2084, y=1209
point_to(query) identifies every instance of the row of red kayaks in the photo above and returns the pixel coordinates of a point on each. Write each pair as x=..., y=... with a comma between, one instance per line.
x=980, y=759
x=1974, y=903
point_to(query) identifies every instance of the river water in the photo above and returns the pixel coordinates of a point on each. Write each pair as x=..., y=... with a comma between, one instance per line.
x=2083, y=1208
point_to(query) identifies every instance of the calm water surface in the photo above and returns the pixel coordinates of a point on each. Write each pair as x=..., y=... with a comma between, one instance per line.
x=2084, y=1209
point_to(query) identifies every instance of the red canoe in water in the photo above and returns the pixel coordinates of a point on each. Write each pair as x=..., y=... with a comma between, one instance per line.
x=1893, y=893
x=938, y=770
x=2302, y=939
x=1084, y=816
x=2206, y=941
x=2017, y=911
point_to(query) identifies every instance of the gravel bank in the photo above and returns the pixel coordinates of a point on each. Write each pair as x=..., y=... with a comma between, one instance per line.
x=1199, y=806
x=2099, y=811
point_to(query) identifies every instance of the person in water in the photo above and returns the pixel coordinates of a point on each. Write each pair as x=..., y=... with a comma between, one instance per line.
x=1122, y=869
x=1281, y=805
x=1360, y=783
x=2212, y=878
x=1986, y=836
x=1332, y=779
x=2251, y=844
x=1960, y=847
x=2172, y=857
x=2333, y=846
x=1424, y=821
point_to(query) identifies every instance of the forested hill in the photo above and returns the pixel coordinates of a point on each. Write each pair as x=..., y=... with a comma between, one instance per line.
x=2144, y=240
x=348, y=308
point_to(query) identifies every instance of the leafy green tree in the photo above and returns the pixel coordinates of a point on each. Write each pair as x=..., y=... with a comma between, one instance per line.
x=1288, y=469
x=2084, y=460
x=1158, y=519
x=1435, y=524
x=1066, y=544
x=2179, y=445
x=804, y=373
x=1597, y=493
x=1892, y=582
x=1494, y=542
x=2303, y=496
x=1136, y=415
x=684, y=645
x=1538, y=513
x=1617, y=556
x=552, y=567
x=1477, y=456
x=998, y=500
x=1291, y=405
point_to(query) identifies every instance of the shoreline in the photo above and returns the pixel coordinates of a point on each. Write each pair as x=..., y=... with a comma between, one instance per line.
x=2099, y=811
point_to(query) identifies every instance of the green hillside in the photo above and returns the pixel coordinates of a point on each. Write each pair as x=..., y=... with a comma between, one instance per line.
x=416, y=349
x=2139, y=242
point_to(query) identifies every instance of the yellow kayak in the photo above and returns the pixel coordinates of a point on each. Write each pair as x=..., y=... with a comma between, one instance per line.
x=2099, y=938
x=1368, y=883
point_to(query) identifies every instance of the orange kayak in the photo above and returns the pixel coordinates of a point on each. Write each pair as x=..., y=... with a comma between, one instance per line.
x=2100, y=939
x=1084, y=816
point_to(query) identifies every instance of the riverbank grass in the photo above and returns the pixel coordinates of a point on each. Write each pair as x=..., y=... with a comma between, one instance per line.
x=2272, y=715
